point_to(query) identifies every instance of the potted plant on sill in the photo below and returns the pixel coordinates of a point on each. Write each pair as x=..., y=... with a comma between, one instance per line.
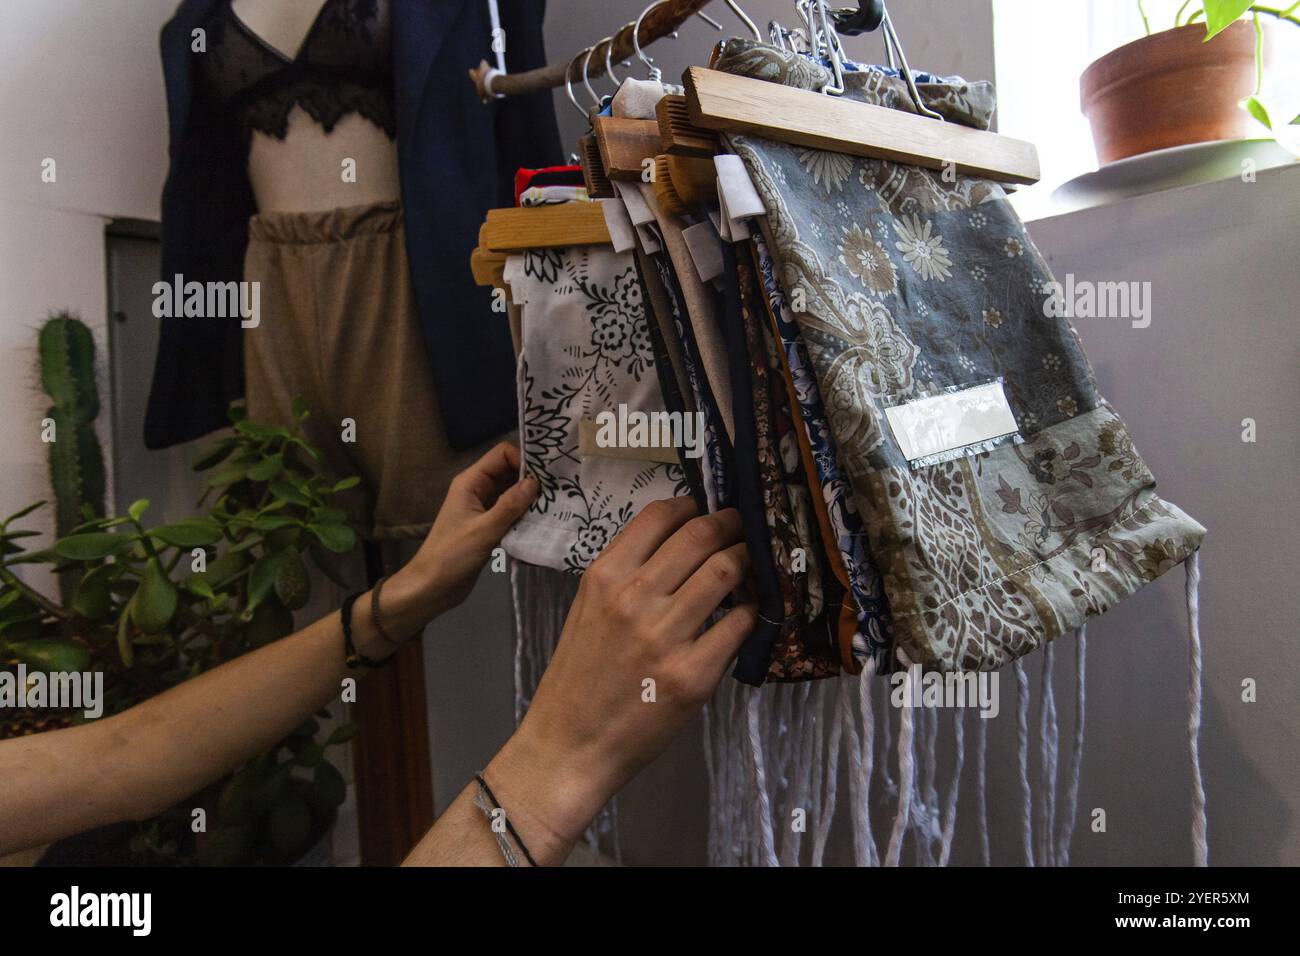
x=1197, y=82
x=153, y=606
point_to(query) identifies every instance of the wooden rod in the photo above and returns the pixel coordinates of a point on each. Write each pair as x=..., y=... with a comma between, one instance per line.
x=658, y=23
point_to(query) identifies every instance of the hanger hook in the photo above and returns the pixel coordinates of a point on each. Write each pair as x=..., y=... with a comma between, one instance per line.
x=568, y=86
x=654, y=71
x=586, y=66
x=750, y=25
x=836, y=86
x=891, y=37
x=609, y=50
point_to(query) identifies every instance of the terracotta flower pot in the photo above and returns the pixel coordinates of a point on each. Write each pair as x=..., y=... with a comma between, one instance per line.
x=1171, y=89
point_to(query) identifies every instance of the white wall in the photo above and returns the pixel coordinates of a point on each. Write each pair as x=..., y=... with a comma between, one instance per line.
x=80, y=83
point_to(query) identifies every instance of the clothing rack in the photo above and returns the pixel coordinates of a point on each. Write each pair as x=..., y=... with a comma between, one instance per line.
x=659, y=22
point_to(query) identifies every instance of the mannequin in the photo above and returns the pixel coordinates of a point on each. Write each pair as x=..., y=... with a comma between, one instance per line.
x=309, y=84
x=301, y=172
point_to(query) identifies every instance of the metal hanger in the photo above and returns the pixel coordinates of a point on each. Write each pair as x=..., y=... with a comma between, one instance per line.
x=652, y=72
x=568, y=85
x=586, y=65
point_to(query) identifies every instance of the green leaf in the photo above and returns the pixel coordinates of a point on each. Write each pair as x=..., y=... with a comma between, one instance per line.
x=330, y=783
x=1220, y=13
x=330, y=516
x=346, y=483
x=259, y=430
x=90, y=547
x=44, y=556
x=22, y=514
x=228, y=474
x=292, y=585
x=124, y=648
x=338, y=538
x=282, y=489
x=300, y=410
x=310, y=755
x=199, y=587
x=267, y=468
x=341, y=735
x=94, y=597
x=190, y=533
x=223, y=570
x=155, y=602
x=262, y=578
x=138, y=508
x=48, y=654
x=1255, y=107
x=218, y=454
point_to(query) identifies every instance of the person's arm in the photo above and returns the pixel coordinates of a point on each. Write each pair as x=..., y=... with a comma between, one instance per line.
x=590, y=729
x=138, y=763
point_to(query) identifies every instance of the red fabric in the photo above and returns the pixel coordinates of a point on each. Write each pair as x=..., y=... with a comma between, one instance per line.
x=524, y=177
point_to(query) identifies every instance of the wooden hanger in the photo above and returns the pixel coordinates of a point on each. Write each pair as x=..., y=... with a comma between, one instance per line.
x=593, y=168
x=625, y=145
x=721, y=101
x=678, y=136
x=543, y=227
x=488, y=267
x=681, y=182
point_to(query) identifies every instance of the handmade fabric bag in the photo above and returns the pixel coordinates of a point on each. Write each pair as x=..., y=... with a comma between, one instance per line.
x=586, y=349
x=907, y=283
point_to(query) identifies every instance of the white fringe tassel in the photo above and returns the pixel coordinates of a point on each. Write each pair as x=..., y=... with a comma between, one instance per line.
x=1076, y=755
x=1200, y=841
x=542, y=597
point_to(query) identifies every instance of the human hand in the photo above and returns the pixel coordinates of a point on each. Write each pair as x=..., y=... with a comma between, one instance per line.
x=637, y=618
x=482, y=503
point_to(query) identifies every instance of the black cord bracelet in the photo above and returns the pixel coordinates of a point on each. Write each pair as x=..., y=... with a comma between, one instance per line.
x=496, y=804
x=351, y=656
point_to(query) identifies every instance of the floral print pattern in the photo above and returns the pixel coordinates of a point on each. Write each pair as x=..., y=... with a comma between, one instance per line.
x=922, y=251
x=585, y=349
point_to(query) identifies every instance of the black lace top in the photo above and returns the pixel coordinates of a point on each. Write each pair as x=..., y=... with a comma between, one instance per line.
x=344, y=65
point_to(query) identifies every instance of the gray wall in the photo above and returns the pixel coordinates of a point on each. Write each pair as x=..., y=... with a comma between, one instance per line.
x=1223, y=345
x=947, y=36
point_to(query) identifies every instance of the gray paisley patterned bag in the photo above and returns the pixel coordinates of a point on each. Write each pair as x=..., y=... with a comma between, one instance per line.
x=907, y=283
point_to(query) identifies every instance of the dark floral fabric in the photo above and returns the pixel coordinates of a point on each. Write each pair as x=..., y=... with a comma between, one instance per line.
x=585, y=349
x=794, y=546
x=872, y=638
x=904, y=282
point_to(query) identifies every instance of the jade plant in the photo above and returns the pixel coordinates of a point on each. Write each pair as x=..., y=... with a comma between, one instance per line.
x=155, y=605
x=1218, y=15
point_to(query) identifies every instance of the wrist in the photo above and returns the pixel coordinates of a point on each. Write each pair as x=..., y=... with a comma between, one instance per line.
x=550, y=793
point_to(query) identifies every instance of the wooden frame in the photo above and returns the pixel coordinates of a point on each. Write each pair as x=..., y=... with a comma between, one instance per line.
x=721, y=101
x=544, y=227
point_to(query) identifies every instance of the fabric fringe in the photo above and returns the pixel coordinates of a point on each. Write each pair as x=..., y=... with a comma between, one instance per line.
x=1200, y=840
x=542, y=598
x=1076, y=755
x=772, y=755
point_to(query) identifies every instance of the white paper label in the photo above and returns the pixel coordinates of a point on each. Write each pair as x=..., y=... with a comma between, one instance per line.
x=941, y=423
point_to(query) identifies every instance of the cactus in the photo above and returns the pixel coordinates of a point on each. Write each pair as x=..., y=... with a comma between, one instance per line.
x=67, y=364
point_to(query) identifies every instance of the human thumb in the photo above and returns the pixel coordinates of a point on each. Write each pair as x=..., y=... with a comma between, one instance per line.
x=509, y=508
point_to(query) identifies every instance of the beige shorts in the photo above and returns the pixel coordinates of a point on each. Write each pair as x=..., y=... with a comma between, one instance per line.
x=338, y=327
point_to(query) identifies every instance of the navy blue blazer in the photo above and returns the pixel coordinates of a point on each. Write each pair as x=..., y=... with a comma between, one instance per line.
x=457, y=159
